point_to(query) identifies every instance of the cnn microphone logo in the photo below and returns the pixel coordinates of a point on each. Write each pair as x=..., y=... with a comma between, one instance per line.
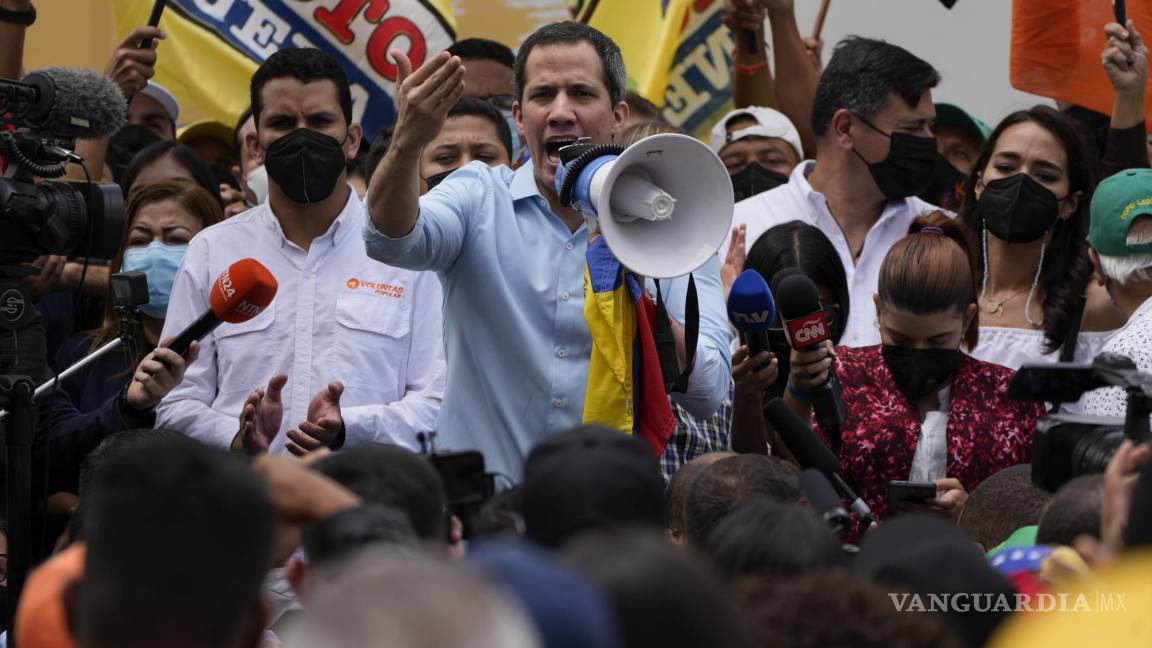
x=807, y=331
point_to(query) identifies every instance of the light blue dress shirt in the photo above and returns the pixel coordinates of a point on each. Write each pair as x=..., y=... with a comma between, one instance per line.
x=516, y=342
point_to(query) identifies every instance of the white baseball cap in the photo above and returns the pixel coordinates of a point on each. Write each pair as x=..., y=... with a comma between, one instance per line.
x=165, y=98
x=769, y=123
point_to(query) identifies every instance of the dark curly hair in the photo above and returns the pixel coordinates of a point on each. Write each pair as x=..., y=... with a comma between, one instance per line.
x=1067, y=269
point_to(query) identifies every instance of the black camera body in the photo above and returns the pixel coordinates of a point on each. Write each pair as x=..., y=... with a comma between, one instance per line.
x=1067, y=445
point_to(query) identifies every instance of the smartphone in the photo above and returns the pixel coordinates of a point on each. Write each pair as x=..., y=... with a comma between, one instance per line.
x=901, y=494
x=1121, y=14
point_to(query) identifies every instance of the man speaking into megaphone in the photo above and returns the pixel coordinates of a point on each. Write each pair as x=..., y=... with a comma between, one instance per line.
x=513, y=258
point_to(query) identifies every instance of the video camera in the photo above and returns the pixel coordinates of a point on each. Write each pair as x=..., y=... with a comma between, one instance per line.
x=40, y=117
x=1068, y=445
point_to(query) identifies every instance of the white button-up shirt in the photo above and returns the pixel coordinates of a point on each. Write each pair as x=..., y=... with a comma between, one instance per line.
x=337, y=315
x=798, y=201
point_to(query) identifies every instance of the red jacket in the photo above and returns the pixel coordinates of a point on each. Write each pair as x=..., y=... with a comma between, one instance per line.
x=986, y=432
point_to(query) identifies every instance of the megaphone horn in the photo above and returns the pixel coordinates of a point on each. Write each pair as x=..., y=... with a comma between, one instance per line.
x=663, y=205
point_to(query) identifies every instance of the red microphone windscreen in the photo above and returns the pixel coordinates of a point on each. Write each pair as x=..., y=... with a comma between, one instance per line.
x=242, y=291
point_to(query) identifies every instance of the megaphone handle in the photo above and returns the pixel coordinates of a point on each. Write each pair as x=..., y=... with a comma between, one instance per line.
x=675, y=379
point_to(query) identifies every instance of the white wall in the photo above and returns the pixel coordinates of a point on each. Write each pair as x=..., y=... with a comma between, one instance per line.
x=968, y=44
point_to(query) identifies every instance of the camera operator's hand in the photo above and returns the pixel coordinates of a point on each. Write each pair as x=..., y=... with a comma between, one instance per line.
x=157, y=374
x=299, y=494
x=260, y=418
x=51, y=277
x=424, y=96
x=130, y=66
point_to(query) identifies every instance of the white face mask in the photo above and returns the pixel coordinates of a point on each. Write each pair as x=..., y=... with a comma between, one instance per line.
x=257, y=180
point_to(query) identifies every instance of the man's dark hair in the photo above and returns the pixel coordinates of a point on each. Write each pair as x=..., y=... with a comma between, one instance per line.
x=1073, y=511
x=306, y=65
x=122, y=441
x=482, y=49
x=641, y=109
x=179, y=538
x=570, y=33
x=863, y=74
x=797, y=611
x=768, y=538
x=392, y=476
x=378, y=150
x=485, y=110
x=182, y=155
x=1001, y=504
x=237, y=142
x=663, y=596
x=728, y=483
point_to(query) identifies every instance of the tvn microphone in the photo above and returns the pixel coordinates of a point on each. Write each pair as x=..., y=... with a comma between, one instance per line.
x=751, y=310
x=806, y=328
x=810, y=451
x=240, y=293
x=823, y=500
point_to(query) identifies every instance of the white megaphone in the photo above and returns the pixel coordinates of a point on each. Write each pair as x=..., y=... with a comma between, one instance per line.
x=663, y=205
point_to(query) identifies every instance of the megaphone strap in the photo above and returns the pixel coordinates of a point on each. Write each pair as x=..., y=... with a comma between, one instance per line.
x=572, y=169
x=676, y=380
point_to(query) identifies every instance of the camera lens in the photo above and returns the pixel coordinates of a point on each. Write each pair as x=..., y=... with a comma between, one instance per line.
x=1094, y=450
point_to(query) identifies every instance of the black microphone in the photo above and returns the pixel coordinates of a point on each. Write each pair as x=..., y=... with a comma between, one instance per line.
x=751, y=311
x=810, y=451
x=806, y=328
x=824, y=501
x=68, y=102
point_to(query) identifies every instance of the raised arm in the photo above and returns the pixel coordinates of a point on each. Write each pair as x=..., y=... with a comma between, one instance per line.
x=752, y=83
x=796, y=75
x=423, y=99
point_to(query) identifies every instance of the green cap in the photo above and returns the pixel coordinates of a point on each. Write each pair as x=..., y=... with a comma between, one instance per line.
x=952, y=115
x=1115, y=205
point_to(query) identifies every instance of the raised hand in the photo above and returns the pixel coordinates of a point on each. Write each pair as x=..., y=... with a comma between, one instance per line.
x=325, y=424
x=735, y=259
x=424, y=96
x=260, y=418
x=1125, y=59
x=130, y=66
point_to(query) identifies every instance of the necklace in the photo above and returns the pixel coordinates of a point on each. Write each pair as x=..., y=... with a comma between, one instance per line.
x=996, y=307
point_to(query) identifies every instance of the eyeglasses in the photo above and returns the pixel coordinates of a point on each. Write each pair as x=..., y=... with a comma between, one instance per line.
x=502, y=102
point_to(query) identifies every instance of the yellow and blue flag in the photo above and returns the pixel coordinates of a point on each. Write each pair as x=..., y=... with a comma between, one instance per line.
x=214, y=46
x=678, y=54
x=625, y=383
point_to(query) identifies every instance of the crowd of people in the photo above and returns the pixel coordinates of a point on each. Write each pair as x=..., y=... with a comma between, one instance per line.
x=402, y=448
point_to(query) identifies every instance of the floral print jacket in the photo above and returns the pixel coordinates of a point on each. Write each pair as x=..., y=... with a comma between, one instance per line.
x=986, y=432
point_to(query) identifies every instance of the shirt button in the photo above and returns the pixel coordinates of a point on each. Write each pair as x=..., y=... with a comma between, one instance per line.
x=558, y=403
x=569, y=245
x=561, y=353
x=564, y=295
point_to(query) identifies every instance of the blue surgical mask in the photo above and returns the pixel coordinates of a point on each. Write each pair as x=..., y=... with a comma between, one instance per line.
x=517, y=149
x=159, y=263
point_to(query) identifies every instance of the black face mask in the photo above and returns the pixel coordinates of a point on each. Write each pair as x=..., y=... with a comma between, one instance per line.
x=754, y=179
x=946, y=188
x=1018, y=209
x=124, y=145
x=305, y=164
x=436, y=179
x=919, y=372
x=908, y=167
